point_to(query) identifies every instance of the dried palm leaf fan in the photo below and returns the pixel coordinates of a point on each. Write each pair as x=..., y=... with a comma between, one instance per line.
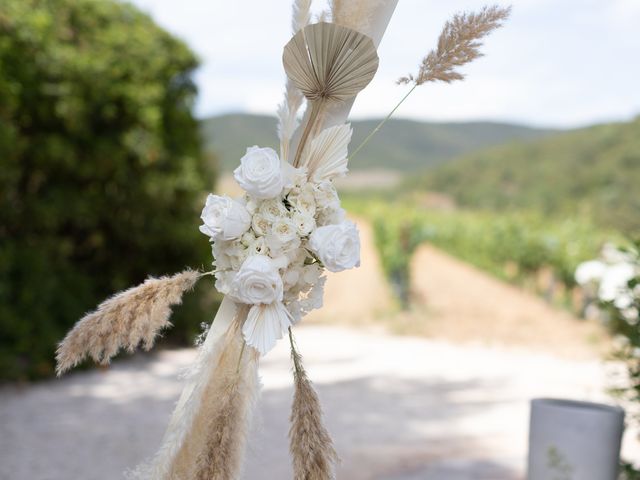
x=328, y=63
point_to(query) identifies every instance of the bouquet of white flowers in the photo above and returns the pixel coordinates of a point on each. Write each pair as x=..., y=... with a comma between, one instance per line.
x=271, y=247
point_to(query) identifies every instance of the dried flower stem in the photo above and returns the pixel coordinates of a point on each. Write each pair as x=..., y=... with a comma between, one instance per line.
x=458, y=44
x=316, y=108
x=314, y=456
x=382, y=122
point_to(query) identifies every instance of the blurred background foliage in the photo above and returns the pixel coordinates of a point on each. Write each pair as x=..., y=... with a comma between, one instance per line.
x=526, y=248
x=101, y=169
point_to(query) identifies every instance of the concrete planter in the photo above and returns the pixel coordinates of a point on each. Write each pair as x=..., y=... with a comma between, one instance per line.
x=570, y=440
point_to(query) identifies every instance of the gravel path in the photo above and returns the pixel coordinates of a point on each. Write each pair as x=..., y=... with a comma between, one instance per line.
x=400, y=408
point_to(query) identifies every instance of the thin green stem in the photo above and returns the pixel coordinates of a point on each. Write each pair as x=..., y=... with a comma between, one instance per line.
x=382, y=122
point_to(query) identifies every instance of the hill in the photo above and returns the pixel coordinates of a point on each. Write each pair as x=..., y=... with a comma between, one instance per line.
x=402, y=145
x=593, y=171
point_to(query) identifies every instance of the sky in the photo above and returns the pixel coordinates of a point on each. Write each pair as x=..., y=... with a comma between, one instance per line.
x=556, y=63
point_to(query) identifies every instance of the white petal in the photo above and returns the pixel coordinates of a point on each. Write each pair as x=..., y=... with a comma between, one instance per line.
x=265, y=325
x=326, y=157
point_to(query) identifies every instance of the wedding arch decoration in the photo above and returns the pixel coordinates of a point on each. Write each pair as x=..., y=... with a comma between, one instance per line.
x=271, y=247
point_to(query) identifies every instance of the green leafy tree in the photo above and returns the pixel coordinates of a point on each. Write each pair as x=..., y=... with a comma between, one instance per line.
x=100, y=167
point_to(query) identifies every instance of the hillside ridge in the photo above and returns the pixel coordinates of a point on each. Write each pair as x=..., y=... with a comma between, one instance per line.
x=402, y=144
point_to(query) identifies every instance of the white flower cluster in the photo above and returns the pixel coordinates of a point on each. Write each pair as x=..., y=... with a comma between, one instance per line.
x=271, y=247
x=608, y=278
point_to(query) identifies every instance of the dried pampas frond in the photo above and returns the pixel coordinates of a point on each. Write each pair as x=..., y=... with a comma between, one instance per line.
x=355, y=14
x=210, y=394
x=301, y=15
x=314, y=457
x=288, y=109
x=228, y=418
x=458, y=44
x=124, y=321
x=288, y=118
x=326, y=157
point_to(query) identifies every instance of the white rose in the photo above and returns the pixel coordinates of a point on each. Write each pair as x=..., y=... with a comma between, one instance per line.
x=303, y=201
x=224, y=218
x=326, y=195
x=257, y=247
x=337, y=246
x=261, y=225
x=284, y=230
x=304, y=223
x=277, y=246
x=257, y=282
x=273, y=209
x=260, y=173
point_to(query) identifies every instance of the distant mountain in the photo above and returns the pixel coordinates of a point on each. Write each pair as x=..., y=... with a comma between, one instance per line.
x=402, y=145
x=593, y=171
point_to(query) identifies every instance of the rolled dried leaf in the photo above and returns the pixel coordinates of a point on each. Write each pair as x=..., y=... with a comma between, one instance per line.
x=329, y=62
x=312, y=451
x=124, y=321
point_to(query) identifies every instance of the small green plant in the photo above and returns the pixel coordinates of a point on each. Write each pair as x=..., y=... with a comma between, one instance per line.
x=559, y=465
x=615, y=277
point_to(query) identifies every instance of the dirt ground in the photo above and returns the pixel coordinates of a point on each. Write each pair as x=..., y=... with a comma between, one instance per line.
x=458, y=302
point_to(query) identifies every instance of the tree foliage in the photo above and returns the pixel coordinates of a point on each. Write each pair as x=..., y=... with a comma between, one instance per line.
x=101, y=168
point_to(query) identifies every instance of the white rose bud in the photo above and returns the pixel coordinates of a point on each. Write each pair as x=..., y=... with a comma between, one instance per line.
x=304, y=223
x=257, y=282
x=337, y=246
x=326, y=195
x=260, y=173
x=224, y=218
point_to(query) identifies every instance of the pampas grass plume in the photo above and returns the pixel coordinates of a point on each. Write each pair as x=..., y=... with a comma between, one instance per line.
x=124, y=321
x=314, y=456
x=458, y=44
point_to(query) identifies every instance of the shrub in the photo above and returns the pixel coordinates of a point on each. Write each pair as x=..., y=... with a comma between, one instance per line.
x=101, y=168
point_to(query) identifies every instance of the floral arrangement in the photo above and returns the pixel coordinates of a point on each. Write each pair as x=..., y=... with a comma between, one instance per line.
x=271, y=247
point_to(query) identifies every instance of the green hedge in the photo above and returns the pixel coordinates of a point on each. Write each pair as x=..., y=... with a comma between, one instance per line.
x=101, y=171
